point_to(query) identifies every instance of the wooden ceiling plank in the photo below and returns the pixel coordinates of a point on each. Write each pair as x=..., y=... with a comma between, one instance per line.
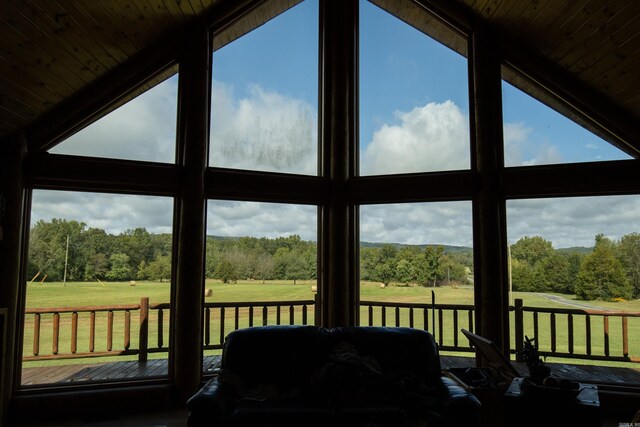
x=96, y=33
x=22, y=111
x=9, y=115
x=559, y=26
x=504, y=11
x=599, y=40
x=617, y=76
x=159, y=8
x=51, y=40
x=24, y=96
x=147, y=21
x=492, y=7
x=38, y=48
x=14, y=111
x=580, y=27
x=28, y=58
x=173, y=9
x=543, y=21
x=619, y=48
x=109, y=15
x=479, y=6
x=59, y=24
x=186, y=9
x=25, y=78
x=613, y=61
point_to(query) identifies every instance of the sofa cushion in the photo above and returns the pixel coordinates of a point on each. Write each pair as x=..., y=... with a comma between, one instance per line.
x=275, y=356
x=401, y=352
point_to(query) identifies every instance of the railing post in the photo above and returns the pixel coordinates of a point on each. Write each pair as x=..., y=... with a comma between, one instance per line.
x=519, y=328
x=56, y=332
x=36, y=334
x=144, y=330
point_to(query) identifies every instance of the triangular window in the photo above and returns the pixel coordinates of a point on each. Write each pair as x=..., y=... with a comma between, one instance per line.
x=264, y=102
x=535, y=134
x=142, y=129
x=414, y=97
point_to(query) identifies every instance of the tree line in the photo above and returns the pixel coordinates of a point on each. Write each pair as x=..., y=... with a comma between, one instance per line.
x=93, y=254
x=609, y=270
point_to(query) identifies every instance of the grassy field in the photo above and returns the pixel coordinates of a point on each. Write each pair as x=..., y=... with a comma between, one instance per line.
x=103, y=294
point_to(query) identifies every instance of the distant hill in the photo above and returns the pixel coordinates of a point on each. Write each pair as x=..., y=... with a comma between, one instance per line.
x=447, y=248
x=580, y=250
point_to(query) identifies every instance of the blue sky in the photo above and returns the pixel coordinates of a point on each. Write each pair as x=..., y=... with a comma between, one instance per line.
x=414, y=117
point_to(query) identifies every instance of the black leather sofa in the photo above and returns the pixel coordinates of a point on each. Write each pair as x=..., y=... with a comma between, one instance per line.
x=311, y=376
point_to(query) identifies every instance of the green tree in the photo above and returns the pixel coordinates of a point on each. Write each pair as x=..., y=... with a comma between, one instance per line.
x=368, y=260
x=405, y=272
x=429, y=271
x=629, y=253
x=384, y=273
x=119, y=267
x=522, y=276
x=555, y=274
x=48, y=249
x=532, y=250
x=226, y=271
x=97, y=267
x=601, y=274
x=159, y=268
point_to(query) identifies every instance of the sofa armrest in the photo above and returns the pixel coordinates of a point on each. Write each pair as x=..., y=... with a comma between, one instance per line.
x=459, y=404
x=214, y=400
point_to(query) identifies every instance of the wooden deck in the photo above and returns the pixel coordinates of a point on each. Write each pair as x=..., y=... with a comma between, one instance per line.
x=101, y=372
x=157, y=368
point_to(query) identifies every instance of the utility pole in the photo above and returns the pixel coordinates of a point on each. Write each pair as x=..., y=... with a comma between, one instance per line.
x=66, y=259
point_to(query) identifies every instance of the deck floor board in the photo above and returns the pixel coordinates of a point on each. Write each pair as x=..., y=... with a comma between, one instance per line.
x=158, y=368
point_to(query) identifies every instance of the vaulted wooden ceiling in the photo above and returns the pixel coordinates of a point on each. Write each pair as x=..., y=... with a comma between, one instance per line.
x=50, y=51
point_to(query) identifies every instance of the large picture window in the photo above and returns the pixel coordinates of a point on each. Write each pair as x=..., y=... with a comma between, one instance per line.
x=414, y=99
x=142, y=129
x=98, y=288
x=264, y=111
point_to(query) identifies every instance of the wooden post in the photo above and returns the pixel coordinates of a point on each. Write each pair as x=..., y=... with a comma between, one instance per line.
x=491, y=290
x=127, y=329
x=92, y=331
x=193, y=155
x=36, y=334
x=625, y=336
x=518, y=317
x=338, y=232
x=110, y=330
x=74, y=332
x=56, y=333
x=143, y=336
x=14, y=226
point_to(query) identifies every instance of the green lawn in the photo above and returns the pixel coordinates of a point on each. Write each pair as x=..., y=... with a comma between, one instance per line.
x=75, y=294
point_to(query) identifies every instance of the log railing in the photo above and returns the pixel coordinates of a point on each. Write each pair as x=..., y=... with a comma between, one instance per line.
x=89, y=330
x=559, y=332
x=220, y=318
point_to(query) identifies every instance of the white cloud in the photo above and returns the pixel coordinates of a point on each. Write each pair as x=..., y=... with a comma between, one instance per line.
x=113, y=213
x=568, y=222
x=520, y=150
x=235, y=219
x=447, y=223
x=142, y=129
x=433, y=137
x=273, y=132
x=265, y=131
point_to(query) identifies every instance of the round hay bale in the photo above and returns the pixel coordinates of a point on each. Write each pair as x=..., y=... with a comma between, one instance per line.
x=314, y=288
x=132, y=282
x=208, y=292
x=381, y=285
